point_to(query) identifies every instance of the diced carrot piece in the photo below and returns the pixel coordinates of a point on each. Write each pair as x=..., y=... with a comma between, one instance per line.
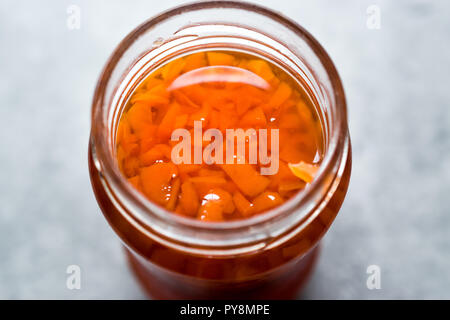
x=197, y=93
x=219, y=58
x=167, y=123
x=297, y=148
x=173, y=69
x=148, y=138
x=243, y=103
x=243, y=206
x=188, y=168
x=227, y=120
x=254, y=118
x=151, y=156
x=230, y=187
x=261, y=68
x=210, y=211
x=286, y=186
x=150, y=98
x=180, y=121
x=214, y=119
x=304, y=111
x=203, y=172
x=179, y=210
x=174, y=191
x=200, y=115
x=184, y=176
x=187, y=105
x=124, y=132
x=282, y=93
x=139, y=116
x=131, y=148
x=222, y=197
x=284, y=174
x=156, y=180
x=209, y=180
x=160, y=90
x=304, y=171
x=290, y=121
x=152, y=82
x=189, y=199
x=266, y=201
x=246, y=178
x=130, y=166
x=195, y=61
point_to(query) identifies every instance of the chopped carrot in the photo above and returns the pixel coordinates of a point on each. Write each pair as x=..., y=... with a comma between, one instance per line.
x=209, y=180
x=200, y=115
x=242, y=204
x=131, y=166
x=173, y=69
x=246, y=178
x=282, y=93
x=189, y=199
x=139, y=116
x=152, y=82
x=218, y=58
x=195, y=61
x=254, y=118
x=188, y=168
x=174, y=190
x=267, y=200
x=290, y=121
x=287, y=186
x=222, y=197
x=224, y=90
x=180, y=121
x=261, y=68
x=168, y=122
x=304, y=171
x=284, y=174
x=187, y=105
x=211, y=211
x=156, y=180
x=230, y=186
x=203, y=172
x=150, y=98
x=160, y=90
x=214, y=119
x=151, y=156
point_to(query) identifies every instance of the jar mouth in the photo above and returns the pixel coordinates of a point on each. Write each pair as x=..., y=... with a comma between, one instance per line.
x=168, y=226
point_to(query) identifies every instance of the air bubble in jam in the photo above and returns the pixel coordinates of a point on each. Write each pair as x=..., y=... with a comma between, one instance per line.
x=224, y=90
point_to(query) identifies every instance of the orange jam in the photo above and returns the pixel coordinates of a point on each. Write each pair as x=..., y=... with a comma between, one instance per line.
x=220, y=90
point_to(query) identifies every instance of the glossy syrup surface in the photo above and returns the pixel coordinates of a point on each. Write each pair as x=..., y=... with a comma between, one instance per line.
x=220, y=90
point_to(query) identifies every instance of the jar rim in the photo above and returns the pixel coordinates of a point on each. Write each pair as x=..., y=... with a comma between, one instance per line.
x=105, y=164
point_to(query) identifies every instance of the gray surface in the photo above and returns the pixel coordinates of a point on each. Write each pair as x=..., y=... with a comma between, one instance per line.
x=396, y=214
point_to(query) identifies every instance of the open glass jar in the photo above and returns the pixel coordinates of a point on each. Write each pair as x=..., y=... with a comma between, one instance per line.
x=267, y=256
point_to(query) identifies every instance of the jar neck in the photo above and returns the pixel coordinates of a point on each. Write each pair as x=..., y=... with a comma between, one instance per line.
x=310, y=65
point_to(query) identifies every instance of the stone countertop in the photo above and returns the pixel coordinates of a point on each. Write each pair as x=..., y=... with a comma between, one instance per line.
x=396, y=214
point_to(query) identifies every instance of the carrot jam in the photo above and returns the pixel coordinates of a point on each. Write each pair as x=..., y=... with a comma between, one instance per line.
x=219, y=90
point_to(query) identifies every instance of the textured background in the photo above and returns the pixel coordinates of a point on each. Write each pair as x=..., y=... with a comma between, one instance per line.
x=396, y=214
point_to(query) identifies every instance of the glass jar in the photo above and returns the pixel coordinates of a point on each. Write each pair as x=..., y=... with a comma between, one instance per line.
x=267, y=256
